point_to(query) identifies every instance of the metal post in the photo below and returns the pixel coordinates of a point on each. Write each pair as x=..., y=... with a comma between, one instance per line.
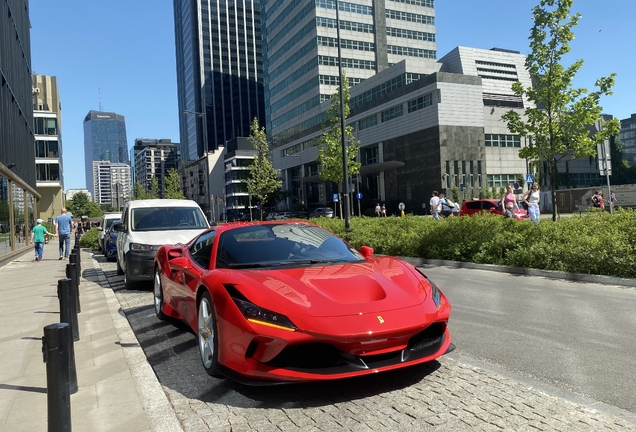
x=74, y=258
x=72, y=273
x=57, y=338
x=68, y=309
x=345, y=173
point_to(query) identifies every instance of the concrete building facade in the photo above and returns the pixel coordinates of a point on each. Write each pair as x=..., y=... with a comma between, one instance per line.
x=112, y=183
x=627, y=136
x=49, y=169
x=154, y=158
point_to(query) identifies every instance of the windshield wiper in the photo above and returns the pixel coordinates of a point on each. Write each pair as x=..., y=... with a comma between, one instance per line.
x=307, y=261
x=249, y=265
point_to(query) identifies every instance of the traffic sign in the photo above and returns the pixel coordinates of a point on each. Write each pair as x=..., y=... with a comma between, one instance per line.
x=335, y=197
x=359, y=195
x=401, y=206
x=516, y=185
x=529, y=179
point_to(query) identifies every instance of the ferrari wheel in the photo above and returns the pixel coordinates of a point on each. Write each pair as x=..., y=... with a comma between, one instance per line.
x=208, y=338
x=158, y=292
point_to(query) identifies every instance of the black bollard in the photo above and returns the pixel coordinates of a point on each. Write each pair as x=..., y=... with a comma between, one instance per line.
x=74, y=258
x=68, y=305
x=55, y=343
x=77, y=251
x=73, y=274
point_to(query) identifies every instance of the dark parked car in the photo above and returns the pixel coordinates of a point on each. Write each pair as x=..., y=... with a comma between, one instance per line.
x=322, y=212
x=299, y=215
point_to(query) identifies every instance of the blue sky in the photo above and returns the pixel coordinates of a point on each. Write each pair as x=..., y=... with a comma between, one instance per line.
x=122, y=54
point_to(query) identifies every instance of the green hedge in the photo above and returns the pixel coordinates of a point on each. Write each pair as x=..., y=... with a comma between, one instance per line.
x=593, y=242
x=89, y=239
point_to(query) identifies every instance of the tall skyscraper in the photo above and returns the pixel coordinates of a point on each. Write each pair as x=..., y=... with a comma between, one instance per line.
x=18, y=193
x=219, y=72
x=104, y=140
x=300, y=48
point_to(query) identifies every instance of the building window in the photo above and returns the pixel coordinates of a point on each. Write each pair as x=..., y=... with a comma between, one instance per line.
x=420, y=102
x=494, y=140
x=392, y=113
x=368, y=122
x=501, y=180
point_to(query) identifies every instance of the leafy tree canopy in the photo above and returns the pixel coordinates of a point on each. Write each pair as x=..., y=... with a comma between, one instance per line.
x=173, y=185
x=330, y=143
x=559, y=124
x=263, y=178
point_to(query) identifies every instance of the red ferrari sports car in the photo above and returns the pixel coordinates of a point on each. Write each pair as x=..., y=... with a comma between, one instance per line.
x=288, y=301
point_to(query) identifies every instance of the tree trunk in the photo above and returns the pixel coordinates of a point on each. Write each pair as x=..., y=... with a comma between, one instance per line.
x=553, y=182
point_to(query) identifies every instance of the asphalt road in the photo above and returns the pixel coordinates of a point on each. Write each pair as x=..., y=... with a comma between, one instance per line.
x=577, y=336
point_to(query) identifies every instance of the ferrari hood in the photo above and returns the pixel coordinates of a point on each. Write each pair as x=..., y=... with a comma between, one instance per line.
x=377, y=285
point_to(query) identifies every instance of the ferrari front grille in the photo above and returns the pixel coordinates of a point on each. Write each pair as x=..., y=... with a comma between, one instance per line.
x=430, y=338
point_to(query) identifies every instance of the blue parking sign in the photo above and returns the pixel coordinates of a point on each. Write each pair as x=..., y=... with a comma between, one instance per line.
x=335, y=197
x=529, y=179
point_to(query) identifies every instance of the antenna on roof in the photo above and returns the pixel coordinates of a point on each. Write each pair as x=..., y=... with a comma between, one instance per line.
x=99, y=98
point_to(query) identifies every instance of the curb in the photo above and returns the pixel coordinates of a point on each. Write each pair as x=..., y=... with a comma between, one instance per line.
x=552, y=274
x=159, y=412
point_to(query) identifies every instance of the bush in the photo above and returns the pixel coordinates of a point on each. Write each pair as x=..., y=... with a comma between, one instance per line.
x=89, y=239
x=594, y=243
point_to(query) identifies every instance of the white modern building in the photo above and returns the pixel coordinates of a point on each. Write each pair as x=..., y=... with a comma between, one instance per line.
x=112, y=183
x=70, y=193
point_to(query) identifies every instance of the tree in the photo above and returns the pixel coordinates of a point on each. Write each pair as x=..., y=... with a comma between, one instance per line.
x=263, y=178
x=153, y=192
x=173, y=185
x=330, y=143
x=139, y=192
x=559, y=124
x=81, y=205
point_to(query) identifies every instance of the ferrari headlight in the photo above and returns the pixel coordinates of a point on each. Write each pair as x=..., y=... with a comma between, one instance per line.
x=259, y=315
x=140, y=247
x=435, y=294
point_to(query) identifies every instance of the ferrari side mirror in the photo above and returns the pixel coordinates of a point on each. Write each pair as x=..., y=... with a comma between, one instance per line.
x=366, y=251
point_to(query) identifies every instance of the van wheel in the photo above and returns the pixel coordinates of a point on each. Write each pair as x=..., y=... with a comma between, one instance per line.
x=120, y=271
x=128, y=283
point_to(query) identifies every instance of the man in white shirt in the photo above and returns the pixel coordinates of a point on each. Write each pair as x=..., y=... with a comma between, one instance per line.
x=435, y=205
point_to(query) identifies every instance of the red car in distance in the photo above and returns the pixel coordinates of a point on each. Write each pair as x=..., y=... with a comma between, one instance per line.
x=489, y=206
x=288, y=301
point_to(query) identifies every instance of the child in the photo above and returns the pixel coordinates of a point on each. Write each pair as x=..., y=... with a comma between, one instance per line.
x=38, y=235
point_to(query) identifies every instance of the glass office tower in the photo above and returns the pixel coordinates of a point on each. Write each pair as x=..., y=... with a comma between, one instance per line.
x=300, y=51
x=219, y=72
x=104, y=140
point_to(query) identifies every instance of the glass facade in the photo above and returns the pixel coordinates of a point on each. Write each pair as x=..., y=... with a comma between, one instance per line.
x=219, y=72
x=104, y=140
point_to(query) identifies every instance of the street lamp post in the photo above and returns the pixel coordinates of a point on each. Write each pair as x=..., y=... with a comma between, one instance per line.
x=302, y=180
x=345, y=173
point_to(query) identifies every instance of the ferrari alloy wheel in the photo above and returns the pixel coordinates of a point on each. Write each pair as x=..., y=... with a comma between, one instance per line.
x=158, y=292
x=208, y=341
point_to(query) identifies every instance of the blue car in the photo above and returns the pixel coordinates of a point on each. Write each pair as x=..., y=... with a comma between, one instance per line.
x=110, y=243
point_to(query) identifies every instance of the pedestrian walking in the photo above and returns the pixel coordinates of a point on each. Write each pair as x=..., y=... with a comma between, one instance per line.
x=63, y=230
x=509, y=203
x=38, y=238
x=383, y=210
x=435, y=205
x=378, y=210
x=531, y=199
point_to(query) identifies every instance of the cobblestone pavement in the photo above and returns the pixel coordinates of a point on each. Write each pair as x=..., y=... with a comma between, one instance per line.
x=448, y=395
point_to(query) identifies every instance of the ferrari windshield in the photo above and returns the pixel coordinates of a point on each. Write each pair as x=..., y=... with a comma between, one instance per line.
x=281, y=245
x=167, y=218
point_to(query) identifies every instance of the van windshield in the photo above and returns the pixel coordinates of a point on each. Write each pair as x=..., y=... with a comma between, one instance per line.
x=167, y=218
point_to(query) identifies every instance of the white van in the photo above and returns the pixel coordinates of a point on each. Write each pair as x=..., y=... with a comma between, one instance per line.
x=148, y=224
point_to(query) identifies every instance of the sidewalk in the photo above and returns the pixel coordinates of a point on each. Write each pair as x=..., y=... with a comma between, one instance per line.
x=118, y=390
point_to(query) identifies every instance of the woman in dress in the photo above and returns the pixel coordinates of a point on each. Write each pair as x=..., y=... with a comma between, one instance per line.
x=531, y=198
